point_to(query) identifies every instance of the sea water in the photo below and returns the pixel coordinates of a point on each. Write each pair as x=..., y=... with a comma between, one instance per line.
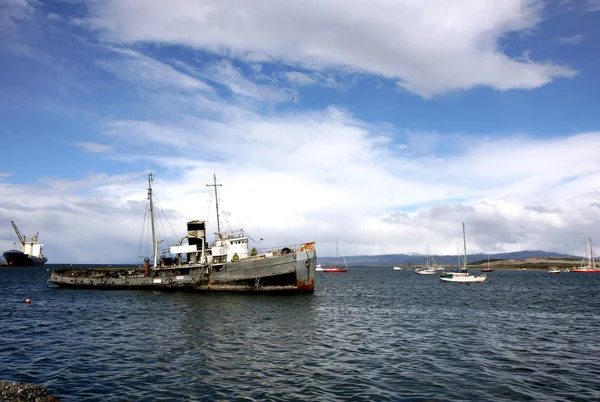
x=371, y=334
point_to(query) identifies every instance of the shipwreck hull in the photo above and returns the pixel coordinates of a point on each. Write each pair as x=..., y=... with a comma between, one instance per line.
x=289, y=273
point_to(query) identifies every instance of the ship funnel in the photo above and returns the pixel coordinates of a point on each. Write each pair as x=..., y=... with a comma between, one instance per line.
x=196, y=237
x=196, y=229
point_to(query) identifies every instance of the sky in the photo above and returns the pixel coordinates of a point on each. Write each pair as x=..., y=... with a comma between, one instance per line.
x=382, y=123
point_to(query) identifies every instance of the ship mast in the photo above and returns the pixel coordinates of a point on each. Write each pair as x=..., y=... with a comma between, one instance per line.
x=215, y=185
x=154, y=243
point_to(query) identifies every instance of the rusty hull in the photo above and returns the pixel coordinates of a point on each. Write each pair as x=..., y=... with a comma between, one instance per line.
x=286, y=273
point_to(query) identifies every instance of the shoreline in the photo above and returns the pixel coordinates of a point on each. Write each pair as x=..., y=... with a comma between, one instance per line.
x=24, y=392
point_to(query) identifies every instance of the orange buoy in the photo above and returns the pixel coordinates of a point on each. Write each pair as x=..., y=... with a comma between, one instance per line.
x=27, y=301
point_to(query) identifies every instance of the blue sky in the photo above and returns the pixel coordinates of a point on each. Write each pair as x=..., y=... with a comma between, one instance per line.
x=384, y=123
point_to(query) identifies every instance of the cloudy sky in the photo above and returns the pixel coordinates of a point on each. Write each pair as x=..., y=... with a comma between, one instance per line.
x=385, y=123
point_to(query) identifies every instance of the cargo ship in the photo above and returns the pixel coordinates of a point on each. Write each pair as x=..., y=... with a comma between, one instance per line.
x=31, y=253
x=227, y=264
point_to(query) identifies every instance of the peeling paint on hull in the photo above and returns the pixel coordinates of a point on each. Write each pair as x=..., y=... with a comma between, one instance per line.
x=290, y=273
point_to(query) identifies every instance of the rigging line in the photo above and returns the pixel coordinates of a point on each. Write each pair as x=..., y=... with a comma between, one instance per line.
x=224, y=215
x=162, y=234
x=166, y=218
x=342, y=251
x=165, y=244
x=207, y=220
x=141, y=241
x=183, y=216
x=160, y=208
x=250, y=237
x=160, y=247
x=227, y=223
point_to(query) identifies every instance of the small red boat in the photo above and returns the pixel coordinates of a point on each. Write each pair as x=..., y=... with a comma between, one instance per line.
x=586, y=270
x=334, y=268
x=589, y=261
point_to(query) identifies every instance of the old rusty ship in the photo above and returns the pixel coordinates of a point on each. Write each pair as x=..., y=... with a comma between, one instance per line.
x=227, y=264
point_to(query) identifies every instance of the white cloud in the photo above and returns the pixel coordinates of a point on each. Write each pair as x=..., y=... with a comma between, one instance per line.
x=570, y=40
x=338, y=81
x=137, y=67
x=75, y=218
x=429, y=47
x=321, y=175
x=16, y=10
x=299, y=78
x=592, y=5
x=224, y=73
x=316, y=175
x=93, y=147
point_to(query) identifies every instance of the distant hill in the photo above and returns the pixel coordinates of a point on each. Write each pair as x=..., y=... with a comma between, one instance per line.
x=417, y=259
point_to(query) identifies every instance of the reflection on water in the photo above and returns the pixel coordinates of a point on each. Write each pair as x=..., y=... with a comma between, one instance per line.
x=368, y=334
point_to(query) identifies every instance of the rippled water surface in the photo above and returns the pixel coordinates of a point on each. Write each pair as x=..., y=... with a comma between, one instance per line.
x=368, y=334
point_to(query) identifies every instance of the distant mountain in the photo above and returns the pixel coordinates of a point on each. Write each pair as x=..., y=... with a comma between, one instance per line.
x=416, y=259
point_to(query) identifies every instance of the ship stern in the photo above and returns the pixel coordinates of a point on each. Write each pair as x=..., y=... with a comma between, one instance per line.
x=306, y=262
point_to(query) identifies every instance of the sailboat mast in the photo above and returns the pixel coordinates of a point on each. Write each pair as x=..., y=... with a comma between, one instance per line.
x=154, y=244
x=592, y=262
x=458, y=255
x=465, y=244
x=215, y=185
x=337, y=245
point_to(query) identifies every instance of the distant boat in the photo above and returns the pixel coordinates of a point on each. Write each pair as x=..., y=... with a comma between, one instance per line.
x=319, y=267
x=31, y=253
x=588, y=264
x=336, y=267
x=429, y=268
x=397, y=268
x=462, y=275
x=553, y=270
x=488, y=268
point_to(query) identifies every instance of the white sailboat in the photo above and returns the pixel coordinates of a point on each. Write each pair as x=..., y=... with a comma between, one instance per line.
x=488, y=268
x=429, y=269
x=553, y=270
x=396, y=268
x=462, y=275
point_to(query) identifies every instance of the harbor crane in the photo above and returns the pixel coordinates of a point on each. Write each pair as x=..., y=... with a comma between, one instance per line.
x=21, y=238
x=32, y=240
